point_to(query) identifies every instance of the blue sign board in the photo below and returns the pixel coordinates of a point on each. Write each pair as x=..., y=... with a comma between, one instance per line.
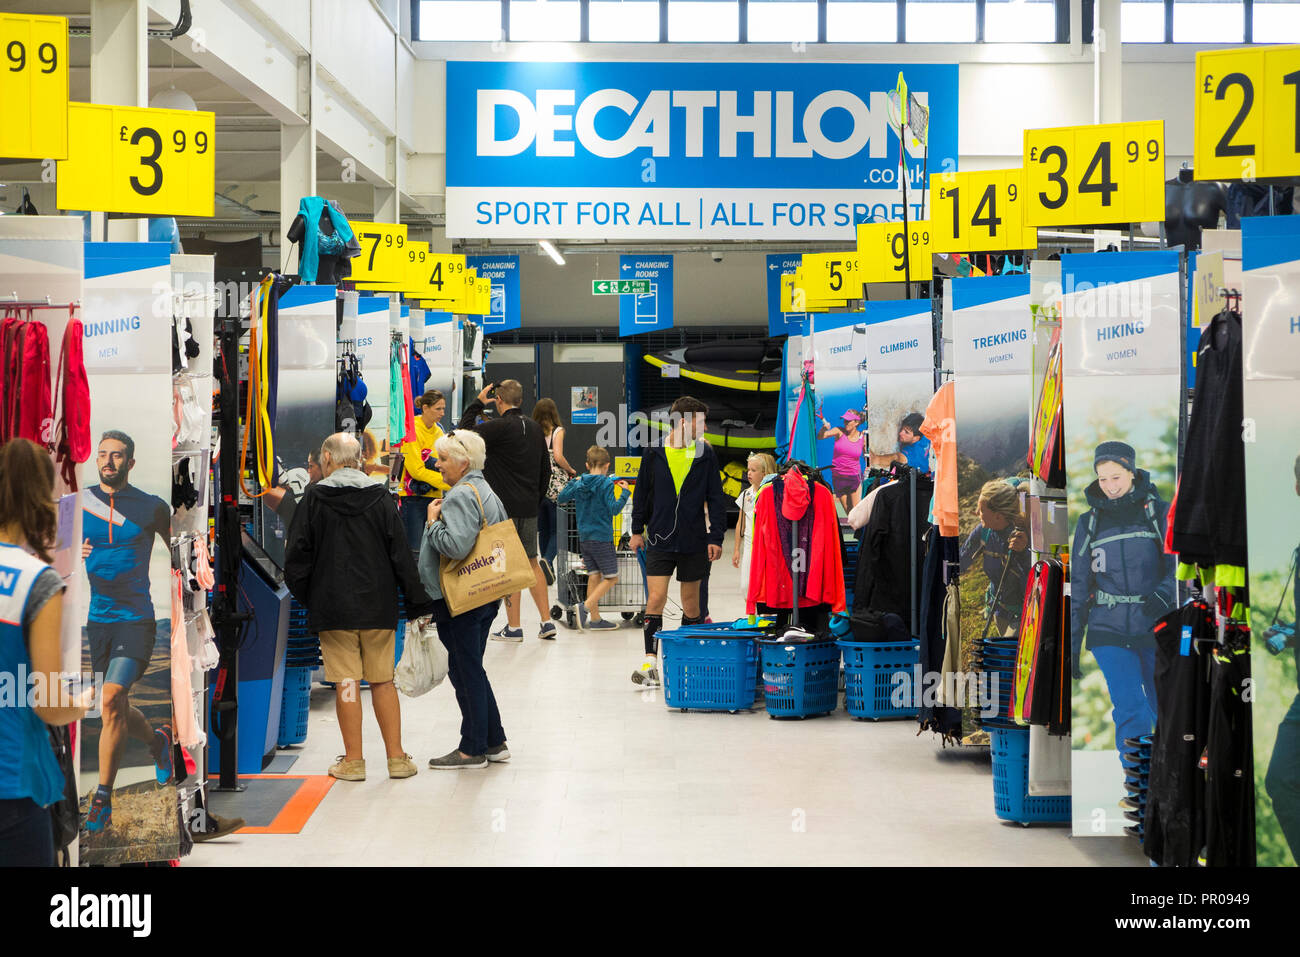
x=649, y=311
x=684, y=151
x=507, y=310
x=782, y=323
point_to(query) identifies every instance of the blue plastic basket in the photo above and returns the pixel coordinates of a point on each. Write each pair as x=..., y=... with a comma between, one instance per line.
x=1011, y=800
x=295, y=706
x=871, y=671
x=800, y=679
x=711, y=670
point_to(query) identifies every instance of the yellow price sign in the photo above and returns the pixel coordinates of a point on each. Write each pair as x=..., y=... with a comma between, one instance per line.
x=627, y=466
x=383, y=248
x=887, y=256
x=480, y=296
x=979, y=212
x=124, y=159
x=832, y=276
x=1095, y=175
x=1247, y=113
x=34, y=87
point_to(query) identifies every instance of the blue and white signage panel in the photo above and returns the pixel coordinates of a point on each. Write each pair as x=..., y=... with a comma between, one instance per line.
x=507, y=309
x=782, y=323
x=681, y=151
x=646, y=312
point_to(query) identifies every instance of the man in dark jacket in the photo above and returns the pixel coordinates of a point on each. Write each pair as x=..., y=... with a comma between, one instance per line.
x=677, y=488
x=346, y=558
x=518, y=468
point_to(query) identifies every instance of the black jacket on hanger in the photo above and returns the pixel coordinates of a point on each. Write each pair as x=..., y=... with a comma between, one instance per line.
x=884, y=579
x=1210, y=519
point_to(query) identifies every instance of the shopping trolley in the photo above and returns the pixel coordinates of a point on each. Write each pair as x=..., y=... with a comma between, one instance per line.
x=628, y=596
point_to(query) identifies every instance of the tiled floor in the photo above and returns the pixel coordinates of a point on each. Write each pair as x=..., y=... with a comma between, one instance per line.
x=604, y=774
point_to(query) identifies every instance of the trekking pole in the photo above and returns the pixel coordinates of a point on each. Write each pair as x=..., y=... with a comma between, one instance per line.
x=997, y=594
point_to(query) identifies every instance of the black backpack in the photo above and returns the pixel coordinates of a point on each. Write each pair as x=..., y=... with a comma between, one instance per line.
x=65, y=813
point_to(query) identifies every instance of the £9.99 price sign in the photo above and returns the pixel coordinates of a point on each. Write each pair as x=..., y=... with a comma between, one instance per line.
x=34, y=87
x=125, y=159
x=889, y=257
x=1248, y=113
x=979, y=212
x=1095, y=175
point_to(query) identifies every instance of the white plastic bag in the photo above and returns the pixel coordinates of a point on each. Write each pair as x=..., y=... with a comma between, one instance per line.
x=424, y=659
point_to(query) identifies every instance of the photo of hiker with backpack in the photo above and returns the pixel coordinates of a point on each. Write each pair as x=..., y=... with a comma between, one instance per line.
x=1121, y=581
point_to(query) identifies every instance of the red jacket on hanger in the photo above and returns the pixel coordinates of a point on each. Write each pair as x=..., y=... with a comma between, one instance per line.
x=770, y=581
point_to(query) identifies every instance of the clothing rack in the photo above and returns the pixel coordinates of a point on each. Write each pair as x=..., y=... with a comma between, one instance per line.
x=16, y=303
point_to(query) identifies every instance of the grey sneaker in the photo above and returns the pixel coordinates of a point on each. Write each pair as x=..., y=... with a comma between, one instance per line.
x=455, y=761
x=546, y=571
x=647, y=676
x=583, y=616
x=499, y=754
x=508, y=634
x=546, y=633
x=602, y=624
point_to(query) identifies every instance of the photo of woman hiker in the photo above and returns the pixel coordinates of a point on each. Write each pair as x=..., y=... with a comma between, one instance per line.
x=846, y=459
x=1000, y=541
x=1121, y=581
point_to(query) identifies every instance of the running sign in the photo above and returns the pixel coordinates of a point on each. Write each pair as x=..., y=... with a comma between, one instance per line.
x=129, y=160
x=34, y=87
x=1093, y=175
x=1248, y=113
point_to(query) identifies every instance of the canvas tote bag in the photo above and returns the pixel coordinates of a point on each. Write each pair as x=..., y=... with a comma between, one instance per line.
x=495, y=567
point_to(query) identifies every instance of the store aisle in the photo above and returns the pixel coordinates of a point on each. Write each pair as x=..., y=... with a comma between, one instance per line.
x=604, y=774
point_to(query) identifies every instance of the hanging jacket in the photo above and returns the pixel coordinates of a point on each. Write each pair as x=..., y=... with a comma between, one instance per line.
x=674, y=522
x=598, y=501
x=347, y=556
x=1210, y=523
x=72, y=442
x=306, y=229
x=939, y=428
x=419, y=372
x=28, y=411
x=770, y=581
x=1124, y=537
x=884, y=578
x=396, y=387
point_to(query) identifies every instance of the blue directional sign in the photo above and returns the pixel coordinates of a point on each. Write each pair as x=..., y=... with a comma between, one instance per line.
x=507, y=310
x=650, y=311
x=782, y=323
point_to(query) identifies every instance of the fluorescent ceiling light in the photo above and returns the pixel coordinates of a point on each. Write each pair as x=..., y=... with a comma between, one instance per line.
x=551, y=251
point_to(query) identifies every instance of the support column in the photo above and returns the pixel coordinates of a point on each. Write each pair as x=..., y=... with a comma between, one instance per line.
x=387, y=205
x=297, y=157
x=119, y=69
x=1108, y=106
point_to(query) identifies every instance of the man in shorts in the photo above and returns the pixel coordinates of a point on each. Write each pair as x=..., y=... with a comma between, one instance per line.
x=518, y=468
x=119, y=524
x=677, y=489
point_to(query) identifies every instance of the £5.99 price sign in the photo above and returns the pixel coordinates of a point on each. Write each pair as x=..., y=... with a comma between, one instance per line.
x=125, y=159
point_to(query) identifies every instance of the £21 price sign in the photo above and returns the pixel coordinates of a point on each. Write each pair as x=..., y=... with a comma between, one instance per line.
x=1248, y=113
x=1095, y=175
x=129, y=160
x=34, y=87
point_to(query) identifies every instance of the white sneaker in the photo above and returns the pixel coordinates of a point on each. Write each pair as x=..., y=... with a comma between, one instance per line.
x=508, y=634
x=647, y=676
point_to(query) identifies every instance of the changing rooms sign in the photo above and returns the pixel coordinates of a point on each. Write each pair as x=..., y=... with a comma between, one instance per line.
x=680, y=151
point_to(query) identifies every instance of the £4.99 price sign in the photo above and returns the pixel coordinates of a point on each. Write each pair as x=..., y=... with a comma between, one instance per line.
x=125, y=159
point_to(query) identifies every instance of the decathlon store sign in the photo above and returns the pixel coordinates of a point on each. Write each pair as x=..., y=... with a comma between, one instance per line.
x=682, y=151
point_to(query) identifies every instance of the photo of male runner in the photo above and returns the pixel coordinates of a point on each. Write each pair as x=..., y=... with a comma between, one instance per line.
x=119, y=523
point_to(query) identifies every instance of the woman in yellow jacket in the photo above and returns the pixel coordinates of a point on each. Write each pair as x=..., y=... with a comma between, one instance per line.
x=422, y=480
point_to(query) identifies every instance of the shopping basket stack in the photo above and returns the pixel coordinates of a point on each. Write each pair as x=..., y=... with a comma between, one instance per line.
x=799, y=679
x=709, y=667
x=880, y=678
x=302, y=657
x=1011, y=799
x=996, y=664
x=1136, y=758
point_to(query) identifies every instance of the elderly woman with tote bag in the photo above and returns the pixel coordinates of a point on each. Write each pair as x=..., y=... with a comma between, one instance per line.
x=454, y=522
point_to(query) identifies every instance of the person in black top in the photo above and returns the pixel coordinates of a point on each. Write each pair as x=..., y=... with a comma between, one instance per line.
x=518, y=468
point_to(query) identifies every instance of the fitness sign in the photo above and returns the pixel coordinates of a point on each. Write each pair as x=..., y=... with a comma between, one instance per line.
x=673, y=151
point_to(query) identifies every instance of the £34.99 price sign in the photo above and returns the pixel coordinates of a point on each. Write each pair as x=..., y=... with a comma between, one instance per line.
x=130, y=160
x=34, y=87
x=1095, y=175
x=1248, y=113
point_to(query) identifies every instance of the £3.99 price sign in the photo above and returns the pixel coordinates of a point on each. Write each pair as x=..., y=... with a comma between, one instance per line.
x=1248, y=113
x=129, y=160
x=34, y=87
x=979, y=212
x=888, y=257
x=1095, y=175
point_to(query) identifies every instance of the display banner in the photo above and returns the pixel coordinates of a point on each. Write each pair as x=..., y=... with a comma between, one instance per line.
x=441, y=353
x=899, y=363
x=125, y=538
x=305, y=402
x=683, y=151
x=646, y=312
x=506, y=311
x=779, y=322
x=992, y=359
x=840, y=344
x=1121, y=345
x=372, y=349
x=1271, y=370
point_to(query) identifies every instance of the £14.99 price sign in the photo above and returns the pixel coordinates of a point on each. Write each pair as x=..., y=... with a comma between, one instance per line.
x=130, y=160
x=1103, y=174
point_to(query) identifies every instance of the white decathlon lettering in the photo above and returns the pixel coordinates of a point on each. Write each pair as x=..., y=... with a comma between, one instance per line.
x=487, y=142
x=548, y=123
x=695, y=102
x=759, y=123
